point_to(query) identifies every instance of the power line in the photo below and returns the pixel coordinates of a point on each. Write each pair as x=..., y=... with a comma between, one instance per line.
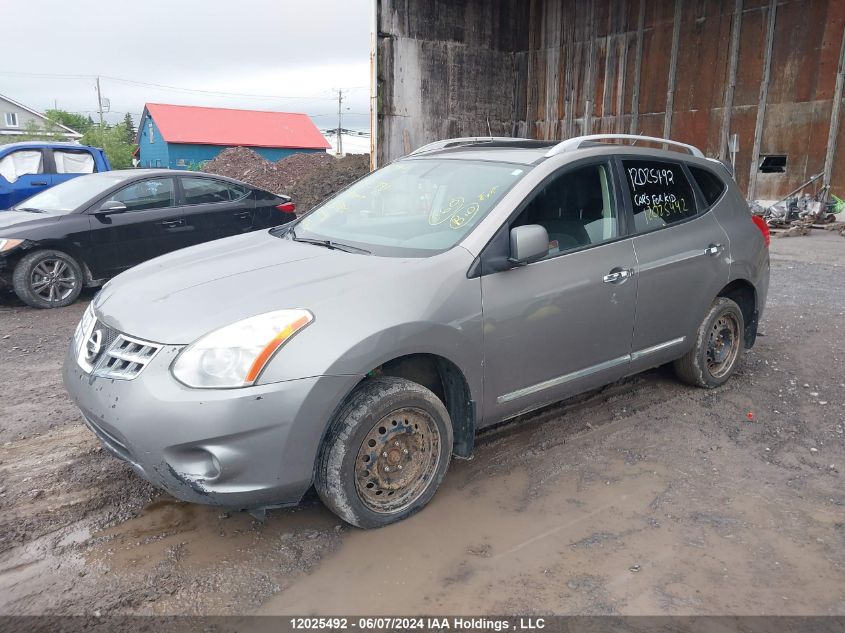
x=219, y=93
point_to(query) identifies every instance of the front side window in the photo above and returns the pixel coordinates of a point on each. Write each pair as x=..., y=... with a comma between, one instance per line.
x=577, y=209
x=414, y=207
x=155, y=193
x=660, y=193
x=21, y=163
x=206, y=191
x=11, y=119
x=73, y=162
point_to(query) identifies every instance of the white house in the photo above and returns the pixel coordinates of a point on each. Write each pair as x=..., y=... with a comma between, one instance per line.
x=15, y=116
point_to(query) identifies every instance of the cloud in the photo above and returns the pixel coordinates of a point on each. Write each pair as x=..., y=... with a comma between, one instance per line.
x=284, y=48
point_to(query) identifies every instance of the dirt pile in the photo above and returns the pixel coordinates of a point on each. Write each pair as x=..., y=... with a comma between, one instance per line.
x=307, y=178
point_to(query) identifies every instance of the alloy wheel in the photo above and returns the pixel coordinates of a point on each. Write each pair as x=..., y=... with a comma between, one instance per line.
x=53, y=279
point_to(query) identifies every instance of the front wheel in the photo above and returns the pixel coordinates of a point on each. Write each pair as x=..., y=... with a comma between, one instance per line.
x=48, y=279
x=718, y=347
x=385, y=453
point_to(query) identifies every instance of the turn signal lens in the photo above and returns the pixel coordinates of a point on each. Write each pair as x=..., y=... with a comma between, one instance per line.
x=235, y=355
x=7, y=244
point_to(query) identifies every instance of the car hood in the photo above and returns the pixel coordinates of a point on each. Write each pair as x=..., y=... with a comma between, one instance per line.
x=176, y=298
x=22, y=220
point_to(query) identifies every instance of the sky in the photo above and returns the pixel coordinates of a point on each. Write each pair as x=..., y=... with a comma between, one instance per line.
x=279, y=55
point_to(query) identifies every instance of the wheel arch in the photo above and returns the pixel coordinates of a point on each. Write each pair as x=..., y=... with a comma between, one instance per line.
x=743, y=293
x=445, y=379
x=56, y=245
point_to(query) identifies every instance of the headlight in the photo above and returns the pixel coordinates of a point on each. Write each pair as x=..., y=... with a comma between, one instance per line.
x=83, y=330
x=235, y=355
x=7, y=244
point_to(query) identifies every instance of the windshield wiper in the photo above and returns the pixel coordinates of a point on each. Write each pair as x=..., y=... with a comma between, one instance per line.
x=30, y=210
x=328, y=244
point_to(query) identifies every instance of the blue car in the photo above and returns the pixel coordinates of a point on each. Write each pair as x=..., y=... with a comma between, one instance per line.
x=31, y=167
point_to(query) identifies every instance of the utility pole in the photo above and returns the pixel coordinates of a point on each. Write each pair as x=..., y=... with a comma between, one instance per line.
x=99, y=102
x=339, y=123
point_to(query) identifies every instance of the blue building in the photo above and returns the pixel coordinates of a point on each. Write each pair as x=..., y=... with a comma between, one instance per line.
x=182, y=137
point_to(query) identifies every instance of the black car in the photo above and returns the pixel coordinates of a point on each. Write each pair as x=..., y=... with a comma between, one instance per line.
x=91, y=228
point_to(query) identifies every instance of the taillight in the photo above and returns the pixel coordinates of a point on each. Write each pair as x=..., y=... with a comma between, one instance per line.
x=286, y=207
x=764, y=228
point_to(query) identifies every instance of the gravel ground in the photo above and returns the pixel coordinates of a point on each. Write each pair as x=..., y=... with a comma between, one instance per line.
x=646, y=498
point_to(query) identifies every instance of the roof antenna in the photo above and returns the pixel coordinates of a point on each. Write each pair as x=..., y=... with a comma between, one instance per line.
x=489, y=131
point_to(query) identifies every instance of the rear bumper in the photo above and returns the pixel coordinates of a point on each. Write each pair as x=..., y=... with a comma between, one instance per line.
x=240, y=448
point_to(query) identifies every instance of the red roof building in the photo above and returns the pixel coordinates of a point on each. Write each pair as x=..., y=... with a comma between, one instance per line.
x=180, y=137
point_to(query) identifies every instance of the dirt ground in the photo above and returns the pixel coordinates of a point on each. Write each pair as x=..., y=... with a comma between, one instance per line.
x=646, y=498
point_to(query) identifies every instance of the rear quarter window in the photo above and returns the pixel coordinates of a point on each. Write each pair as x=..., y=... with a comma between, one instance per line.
x=660, y=192
x=712, y=187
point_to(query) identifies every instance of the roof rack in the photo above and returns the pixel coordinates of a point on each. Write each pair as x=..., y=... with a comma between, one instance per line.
x=468, y=140
x=576, y=142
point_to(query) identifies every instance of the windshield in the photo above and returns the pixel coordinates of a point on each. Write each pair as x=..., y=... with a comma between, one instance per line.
x=412, y=208
x=70, y=195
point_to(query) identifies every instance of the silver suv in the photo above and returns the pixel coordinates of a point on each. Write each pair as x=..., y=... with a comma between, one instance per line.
x=360, y=347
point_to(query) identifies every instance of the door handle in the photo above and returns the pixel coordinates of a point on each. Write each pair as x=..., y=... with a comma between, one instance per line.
x=169, y=224
x=39, y=183
x=713, y=249
x=617, y=275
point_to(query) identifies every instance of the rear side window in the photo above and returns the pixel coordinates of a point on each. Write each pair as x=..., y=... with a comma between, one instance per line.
x=660, y=193
x=69, y=162
x=205, y=191
x=712, y=187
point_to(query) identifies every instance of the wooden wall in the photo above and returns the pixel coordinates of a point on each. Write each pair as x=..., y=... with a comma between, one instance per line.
x=693, y=70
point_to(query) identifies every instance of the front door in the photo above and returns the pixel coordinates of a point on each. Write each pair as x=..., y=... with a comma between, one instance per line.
x=682, y=260
x=561, y=325
x=151, y=225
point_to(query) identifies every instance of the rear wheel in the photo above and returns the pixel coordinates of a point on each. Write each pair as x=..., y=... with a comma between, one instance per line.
x=48, y=279
x=718, y=347
x=385, y=454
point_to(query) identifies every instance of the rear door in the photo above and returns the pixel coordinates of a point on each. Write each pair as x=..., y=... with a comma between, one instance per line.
x=215, y=208
x=683, y=259
x=151, y=225
x=271, y=209
x=23, y=173
x=69, y=163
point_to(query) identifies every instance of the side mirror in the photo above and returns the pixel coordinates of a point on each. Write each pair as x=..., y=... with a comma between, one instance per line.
x=111, y=206
x=529, y=243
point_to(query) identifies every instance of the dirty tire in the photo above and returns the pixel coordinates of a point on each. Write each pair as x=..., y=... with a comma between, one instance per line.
x=370, y=408
x=29, y=278
x=696, y=366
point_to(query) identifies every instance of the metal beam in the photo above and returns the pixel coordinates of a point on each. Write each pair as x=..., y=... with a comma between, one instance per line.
x=638, y=62
x=623, y=69
x=764, y=96
x=835, y=113
x=673, y=70
x=730, y=89
x=591, y=73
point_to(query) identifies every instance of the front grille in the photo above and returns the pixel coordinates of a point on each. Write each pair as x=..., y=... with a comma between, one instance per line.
x=110, y=354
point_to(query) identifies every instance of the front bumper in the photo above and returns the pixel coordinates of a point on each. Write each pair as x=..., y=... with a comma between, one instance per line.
x=241, y=448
